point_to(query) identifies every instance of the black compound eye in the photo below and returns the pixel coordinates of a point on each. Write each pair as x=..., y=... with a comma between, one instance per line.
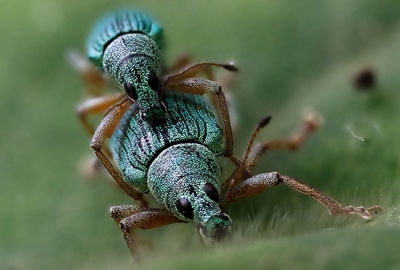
x=211, y=192
x=153, y=81
x=185, y=208
x=130, y=90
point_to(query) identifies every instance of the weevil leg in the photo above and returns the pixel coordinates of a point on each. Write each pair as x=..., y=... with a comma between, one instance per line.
x=261, y=182
x=96, y=105
x=200, y=86
x=196, y=69
x=225, y=79
x=252, y=154
x=103, y=132
x=146, y=219
x=120, y=212
x=96, y=83
x=311, y=124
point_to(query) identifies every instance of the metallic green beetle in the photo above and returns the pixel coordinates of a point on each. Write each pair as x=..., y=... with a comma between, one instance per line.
x=127, y=46
x=177, y=163
x=176, y=160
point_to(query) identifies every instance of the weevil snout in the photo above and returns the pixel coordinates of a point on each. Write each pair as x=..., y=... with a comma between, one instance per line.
x=217, y=228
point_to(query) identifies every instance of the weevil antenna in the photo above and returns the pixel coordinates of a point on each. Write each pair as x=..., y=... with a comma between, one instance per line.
x=242, y=167
x=263, y=123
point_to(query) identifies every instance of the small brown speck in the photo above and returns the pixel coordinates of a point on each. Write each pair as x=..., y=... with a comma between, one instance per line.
x=365, y=79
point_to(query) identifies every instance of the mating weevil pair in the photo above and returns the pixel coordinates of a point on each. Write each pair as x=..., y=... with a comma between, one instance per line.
x=165, y=140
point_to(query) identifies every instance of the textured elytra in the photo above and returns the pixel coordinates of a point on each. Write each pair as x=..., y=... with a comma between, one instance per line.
x=136, y=143
x=116, y=24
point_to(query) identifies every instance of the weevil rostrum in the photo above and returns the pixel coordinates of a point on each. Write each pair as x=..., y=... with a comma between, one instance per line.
x=166, y=142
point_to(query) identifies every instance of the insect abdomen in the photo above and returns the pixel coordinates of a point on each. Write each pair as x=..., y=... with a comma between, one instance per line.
x=116, y=24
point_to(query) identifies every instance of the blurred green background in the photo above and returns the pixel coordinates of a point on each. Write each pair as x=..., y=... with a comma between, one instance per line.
x=293, y=55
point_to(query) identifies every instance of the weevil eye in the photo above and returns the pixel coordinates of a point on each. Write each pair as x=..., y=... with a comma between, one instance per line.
x=211, y=192
x=185, y=208
x=153, y=81
x=130, y=90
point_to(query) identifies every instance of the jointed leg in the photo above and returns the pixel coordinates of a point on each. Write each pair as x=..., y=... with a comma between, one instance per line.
x=261, y=182
x=105, y=131
x=252, y=154
x=311, y=123
x=196, y=69
x=242, y=185
x=96, y=105
x=120, y=212
x=224, y=78
x=199, y=86
x=184, y=81
x=96, y=84
x=144, y=219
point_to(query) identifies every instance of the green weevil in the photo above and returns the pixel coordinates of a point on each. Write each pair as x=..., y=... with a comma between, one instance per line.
x=176, y=160
x=126, y=47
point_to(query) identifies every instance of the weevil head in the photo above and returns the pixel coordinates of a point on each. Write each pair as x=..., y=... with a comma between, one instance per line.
x=185, y=179
x=197, y=200
x=133, y=62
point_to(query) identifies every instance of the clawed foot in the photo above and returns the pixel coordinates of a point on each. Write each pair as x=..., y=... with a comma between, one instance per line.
x=365, y=213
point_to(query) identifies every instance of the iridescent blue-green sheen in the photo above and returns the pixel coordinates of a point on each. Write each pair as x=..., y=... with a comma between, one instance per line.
x=176, y=160
x=181, y=172
x=119, y=23
x=126, y=46
x=136, y=143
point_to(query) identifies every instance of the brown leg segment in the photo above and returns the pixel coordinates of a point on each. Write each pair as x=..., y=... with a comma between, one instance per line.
x=261, y=182
x=105, y=131
x=196, y=69
x=96, y=105
x=199, y=86
x=184, y=81
x=120, y=212
x=241, y=185
x=311, y=123
x=252, y=154
x=145, y=219
x=242, y=173
x=96, y=85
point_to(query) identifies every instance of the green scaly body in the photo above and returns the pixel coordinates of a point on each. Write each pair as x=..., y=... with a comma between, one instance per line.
x=126, y=45
x=174, y=159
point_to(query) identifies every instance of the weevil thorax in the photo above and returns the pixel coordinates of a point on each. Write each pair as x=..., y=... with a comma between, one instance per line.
x=185, y=179
x=133, y=59
x=125, y=45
